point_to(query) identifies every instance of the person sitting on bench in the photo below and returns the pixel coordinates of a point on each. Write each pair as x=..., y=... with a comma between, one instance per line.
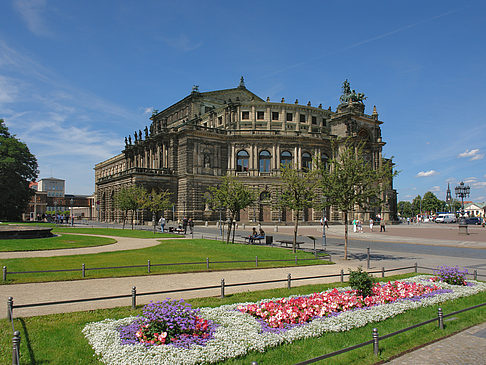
x=260, y=235
x=253, y=235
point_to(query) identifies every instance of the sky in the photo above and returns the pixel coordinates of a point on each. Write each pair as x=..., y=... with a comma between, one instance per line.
x=76, y=77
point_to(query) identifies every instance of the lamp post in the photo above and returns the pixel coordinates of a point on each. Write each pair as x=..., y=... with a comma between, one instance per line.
x=55, y=211
x=462, y=191
x=72, y=212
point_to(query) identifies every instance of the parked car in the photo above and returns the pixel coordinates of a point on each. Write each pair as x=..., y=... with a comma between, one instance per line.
x=446, y=218
x=473, y=220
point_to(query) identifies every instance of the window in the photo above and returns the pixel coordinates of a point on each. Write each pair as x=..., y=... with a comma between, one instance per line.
x=265, y=195
x=260, y=115
x=302, y=118
x=285, y=158
x=264, y=159
x=275, y=116
x=290, y=117
x=306, y=161
x=245, y=115
x=242, y=159
x=324, y=160
x=220, y=120
x=324, y=123
x=314, y=120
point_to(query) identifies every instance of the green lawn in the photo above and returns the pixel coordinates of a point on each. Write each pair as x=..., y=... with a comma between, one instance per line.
x=169, y=251
x=54, y=243
x=57, y=339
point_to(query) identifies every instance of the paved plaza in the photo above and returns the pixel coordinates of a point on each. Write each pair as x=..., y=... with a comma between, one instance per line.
x=399, y=246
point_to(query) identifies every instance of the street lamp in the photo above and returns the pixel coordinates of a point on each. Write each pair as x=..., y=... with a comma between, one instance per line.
x=72, y=212
x=462, y=191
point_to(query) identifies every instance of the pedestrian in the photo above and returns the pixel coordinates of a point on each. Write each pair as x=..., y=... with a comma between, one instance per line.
x=325, y=222
x=408, y=220
x=184, y=224
x=162, y=224
x=360, y=226
x=191, y=225
x=382, y=225
x=371, y=224
x=354, y=225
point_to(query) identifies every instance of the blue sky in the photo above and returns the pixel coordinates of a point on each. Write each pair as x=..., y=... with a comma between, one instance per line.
x=76, y=77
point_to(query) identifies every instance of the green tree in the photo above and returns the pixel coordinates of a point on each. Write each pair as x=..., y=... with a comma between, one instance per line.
x=430, y=203
x=129, y=199
x=232, y=196
x=155, y=202
x=405, y=209
x=417, y=205
x=17, y=168
x=350, y=181
x=298, y=192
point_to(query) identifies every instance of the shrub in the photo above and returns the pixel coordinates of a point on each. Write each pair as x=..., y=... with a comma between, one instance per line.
x=361, y=281
x=451, y=275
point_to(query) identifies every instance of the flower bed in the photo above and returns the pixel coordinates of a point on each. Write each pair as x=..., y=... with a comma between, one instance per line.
x=238, y=333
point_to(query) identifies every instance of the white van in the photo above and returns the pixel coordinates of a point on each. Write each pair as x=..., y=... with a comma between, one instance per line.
x=446, y=218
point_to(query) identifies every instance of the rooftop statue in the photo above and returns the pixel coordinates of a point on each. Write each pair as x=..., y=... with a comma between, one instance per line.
x=350, y=95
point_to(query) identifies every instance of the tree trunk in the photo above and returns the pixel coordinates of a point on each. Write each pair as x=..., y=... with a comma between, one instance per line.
x=234, y=230
x=133, y=213
x=229, y=231
x=345, y=235
x=296, y=225
x=124, y=217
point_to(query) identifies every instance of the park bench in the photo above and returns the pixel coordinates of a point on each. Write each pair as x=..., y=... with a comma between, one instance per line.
x=287, y=243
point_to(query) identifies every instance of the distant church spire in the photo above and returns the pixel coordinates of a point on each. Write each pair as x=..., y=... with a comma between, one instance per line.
x=448, y=198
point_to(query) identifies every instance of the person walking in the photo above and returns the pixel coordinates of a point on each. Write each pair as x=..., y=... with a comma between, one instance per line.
x=354, y=225
x=162, y=224
x=184, y=224
x=359, y=226
x=191, y=225
x=382, y=225
x=371, y=224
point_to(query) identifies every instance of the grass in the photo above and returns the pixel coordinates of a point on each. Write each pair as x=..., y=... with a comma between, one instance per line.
x=104, y=231
x=168, y=251
x=53, y=243
x=57, y=339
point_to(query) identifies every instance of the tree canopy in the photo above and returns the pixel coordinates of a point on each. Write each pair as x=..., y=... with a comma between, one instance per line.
x=298, y=191
x=232, y=196
x=18, y=167
x=350, y=181
x=129, y=198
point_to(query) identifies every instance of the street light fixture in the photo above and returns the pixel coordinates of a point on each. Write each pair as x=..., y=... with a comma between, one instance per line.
x=72, y=212
x=462, y=191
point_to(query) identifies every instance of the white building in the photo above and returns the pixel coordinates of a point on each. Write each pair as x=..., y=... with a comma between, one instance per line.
x=52, y=186
x=474, y=209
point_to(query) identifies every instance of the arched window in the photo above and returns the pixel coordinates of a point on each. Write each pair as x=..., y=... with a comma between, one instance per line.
x=264, y=159
x=306, y=161
x=285, y=158
x=324, y=160
x=265, y=195
x=242, y=158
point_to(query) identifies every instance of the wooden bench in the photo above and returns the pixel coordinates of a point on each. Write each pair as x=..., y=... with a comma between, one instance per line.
x=250, y=240
x=290, y=243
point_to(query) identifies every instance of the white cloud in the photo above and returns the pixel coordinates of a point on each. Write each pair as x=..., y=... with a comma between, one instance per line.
x=435, y=189
x=471, y=154
x=8, y=91
x=31, y=12
x=181, y=42
x=427, y=173
x=148, y=110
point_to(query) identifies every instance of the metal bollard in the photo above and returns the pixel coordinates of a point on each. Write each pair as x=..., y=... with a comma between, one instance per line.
x=342, y=276
x=289, y=281
x=16, y=348
x=222, y=288
x=134, y=297
x=475, y=275
x=9, y=308
x=382, y=272
x=5, y=273
x=207, y=263
x=368, y=258
x=376, y=344
x=148, y=266
x=441, y=318
x=416, y=267
x=83, y=271
x=256, y=261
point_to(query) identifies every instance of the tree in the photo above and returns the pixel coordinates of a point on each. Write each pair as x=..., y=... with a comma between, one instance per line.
x=298, y=191
x=129, y=199
x=18, y=167
x=155, y=202
x=405, y=209
x=430, y=203
x=350, y=181
x=417, y=205
x=232, y=196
